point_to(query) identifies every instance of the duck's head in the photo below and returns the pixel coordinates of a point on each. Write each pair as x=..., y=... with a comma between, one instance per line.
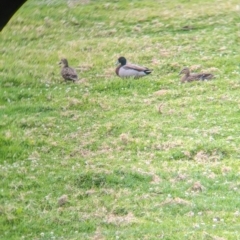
x=64, y=62
x=185, y=71
x=122, y=61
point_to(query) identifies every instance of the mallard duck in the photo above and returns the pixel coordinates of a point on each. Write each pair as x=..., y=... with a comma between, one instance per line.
x=67, y=72
x=189, y=77
x=130, y=70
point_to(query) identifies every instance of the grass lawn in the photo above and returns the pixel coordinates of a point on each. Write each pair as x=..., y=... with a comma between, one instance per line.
x=112, y=158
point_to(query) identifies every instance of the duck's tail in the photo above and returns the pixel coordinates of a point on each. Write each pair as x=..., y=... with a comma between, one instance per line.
x=148, y=71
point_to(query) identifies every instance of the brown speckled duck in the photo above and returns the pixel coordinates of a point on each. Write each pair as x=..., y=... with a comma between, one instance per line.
x=189, y=77
x=68, y=73
x=130, y=70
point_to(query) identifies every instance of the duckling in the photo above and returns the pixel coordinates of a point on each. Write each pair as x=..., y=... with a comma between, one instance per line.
x=67, y=72
x=189, y=77
x=130, y=70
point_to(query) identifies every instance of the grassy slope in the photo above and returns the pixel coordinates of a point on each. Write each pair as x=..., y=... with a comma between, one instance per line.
x=135, y=162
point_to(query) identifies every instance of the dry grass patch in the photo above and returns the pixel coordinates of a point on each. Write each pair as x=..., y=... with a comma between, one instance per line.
x=176, y=201
x=121, y=220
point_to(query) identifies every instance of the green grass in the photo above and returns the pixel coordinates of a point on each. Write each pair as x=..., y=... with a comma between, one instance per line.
x=138, y=159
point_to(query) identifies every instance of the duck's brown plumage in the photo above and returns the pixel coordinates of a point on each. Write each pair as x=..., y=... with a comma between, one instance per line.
x=189, y=77
x=68, y=73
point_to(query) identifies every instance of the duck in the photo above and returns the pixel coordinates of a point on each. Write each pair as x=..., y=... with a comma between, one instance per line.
x=125, y=69
x=68, y=73
x=189, y=77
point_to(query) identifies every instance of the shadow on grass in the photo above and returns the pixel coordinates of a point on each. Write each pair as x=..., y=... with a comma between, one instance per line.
x=117, y=179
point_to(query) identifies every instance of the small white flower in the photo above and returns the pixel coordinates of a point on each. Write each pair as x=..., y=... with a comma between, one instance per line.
x=196, y=226
x=216, y=219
